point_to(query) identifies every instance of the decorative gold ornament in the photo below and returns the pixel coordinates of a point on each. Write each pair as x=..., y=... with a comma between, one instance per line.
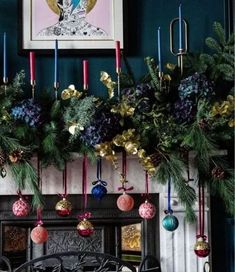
x=106, y=79
x=105, y=150
x=71, y=92
x=123, y=109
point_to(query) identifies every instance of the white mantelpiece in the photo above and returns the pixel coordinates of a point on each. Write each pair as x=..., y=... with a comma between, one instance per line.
x=176, y=248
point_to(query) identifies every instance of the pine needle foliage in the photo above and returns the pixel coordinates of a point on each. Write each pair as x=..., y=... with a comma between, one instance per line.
x=225, y=189
x=173, y=167
x=25, y=176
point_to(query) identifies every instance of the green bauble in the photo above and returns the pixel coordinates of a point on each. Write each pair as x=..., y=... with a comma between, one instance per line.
x=170, y=222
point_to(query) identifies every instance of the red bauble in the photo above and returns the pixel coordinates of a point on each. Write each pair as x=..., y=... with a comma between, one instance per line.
x=147, y=210
x=202, y=248
x=21, y=208
x=39, y=235
x=63, y=207
x=125, y=202
x=85, y=228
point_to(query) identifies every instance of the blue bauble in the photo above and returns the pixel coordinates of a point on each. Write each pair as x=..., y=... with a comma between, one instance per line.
x=170, y=222
x=99, y=191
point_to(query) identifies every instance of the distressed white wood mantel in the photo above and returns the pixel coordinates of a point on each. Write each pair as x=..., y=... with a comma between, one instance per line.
x=176, y=248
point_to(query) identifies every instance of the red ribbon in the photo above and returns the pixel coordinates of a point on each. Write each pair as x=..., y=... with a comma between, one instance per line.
x=85, y=215
x=39, y=217
x=201, y=196
x=84, y=181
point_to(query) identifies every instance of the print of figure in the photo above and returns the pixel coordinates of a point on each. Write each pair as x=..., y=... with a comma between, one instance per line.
x=72, y=19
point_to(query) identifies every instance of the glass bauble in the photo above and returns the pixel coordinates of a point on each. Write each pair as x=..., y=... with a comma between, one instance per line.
x=125, y=202
x=39, y=235
x=85, y=228
x=63, y=207
x=170, y=222
x=21, y=208
x=147, y=210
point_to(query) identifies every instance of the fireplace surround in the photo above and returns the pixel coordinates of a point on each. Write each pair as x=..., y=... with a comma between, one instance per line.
x=107, y=219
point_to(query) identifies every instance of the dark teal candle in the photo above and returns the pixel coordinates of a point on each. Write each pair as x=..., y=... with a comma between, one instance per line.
x=159, y=49
x=4, y=56
x=180, y=28
x=56, y=80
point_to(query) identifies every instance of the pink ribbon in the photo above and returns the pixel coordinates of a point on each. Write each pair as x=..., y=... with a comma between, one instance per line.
x=39, y=217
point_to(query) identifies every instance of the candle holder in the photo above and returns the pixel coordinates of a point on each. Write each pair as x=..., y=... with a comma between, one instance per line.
x=118, y=71
x=56, y=88
x=33, y=86
x=5, y=83
x=181, y=51
x=85, y=87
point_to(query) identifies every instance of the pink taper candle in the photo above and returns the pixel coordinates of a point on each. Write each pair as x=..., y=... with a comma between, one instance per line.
x=32, y=67
x=118, y=57
x=85, y=74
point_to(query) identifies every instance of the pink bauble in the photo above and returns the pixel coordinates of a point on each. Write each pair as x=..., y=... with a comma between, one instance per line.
x=39, y=235
x=125, y=202
x=147, y=210
x=21, y=208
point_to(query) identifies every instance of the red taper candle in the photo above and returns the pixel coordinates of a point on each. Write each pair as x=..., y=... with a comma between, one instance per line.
x=85, y=74
x=118, y=56
x=32, y=67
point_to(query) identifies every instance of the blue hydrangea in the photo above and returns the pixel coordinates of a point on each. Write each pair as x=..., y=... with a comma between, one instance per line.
x=183, y=111
x=27, y=111
x=195, y=86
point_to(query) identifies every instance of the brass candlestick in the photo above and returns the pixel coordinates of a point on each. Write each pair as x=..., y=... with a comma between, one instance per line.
x=56, y=88
x=118, y=83
x=33, y=86
x=5, y=82
x=181, y=51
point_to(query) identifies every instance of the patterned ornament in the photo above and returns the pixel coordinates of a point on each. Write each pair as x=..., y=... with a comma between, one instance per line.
x=63, y=207
x=202, y=248
x=39, y=234
x=147, y=210
x=125, y=202
x=21, y=208
x=170, y=222
x=85, y=228
x=99, y=191
x=217, y=172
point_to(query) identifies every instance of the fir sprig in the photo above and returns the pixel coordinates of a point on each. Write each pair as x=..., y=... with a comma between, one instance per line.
x=226, y=189
x=173, y=167
x=25, y=176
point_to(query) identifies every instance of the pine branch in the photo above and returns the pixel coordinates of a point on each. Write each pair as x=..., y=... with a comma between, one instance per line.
x=25, y=176
x=226, y=189
x=173, y=167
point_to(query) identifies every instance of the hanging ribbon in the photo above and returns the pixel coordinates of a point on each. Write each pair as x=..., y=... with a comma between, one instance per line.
x=39, y=217
x=123, y=175
x=201, y=195
x=146, y=194
x=64, y=182
x=84, y=181
x=99, y=173
x=169, y=209
x=39, y=170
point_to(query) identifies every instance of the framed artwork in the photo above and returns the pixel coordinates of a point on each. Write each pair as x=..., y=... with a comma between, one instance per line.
x=91, y=25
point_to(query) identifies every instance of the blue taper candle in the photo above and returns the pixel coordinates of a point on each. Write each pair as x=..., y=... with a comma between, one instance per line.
x=56, y=64
x=159, y=50
x=4, y=57
x=180, y=27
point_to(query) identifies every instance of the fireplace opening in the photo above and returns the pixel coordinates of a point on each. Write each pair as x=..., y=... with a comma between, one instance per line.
x=122, y=234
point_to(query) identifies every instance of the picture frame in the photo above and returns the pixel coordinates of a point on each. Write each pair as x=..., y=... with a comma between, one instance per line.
x=84, y=26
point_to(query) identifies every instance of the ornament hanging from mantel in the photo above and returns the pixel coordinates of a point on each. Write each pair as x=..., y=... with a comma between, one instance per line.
x=84, y=227
x=64, y=206
x=125, y=202
x=147, y=210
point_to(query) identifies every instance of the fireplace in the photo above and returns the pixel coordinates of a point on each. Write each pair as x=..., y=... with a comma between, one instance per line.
x=113, y=230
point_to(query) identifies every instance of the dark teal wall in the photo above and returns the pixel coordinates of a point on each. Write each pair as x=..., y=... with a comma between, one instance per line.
x=143, y=18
